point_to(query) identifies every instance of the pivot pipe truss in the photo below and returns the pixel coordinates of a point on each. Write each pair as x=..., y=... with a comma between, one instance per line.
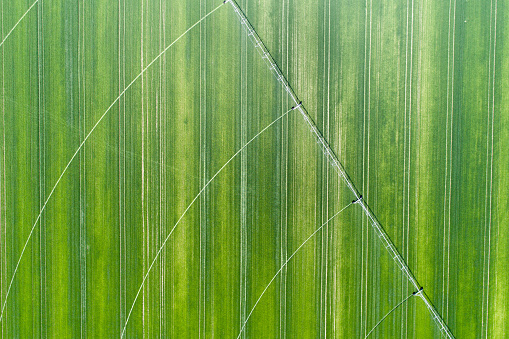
x=338, y=167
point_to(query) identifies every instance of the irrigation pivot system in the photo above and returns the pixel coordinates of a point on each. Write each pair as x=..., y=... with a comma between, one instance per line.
x=338, y=167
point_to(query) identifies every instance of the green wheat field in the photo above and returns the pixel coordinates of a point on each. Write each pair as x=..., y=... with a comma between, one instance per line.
x=132, y=238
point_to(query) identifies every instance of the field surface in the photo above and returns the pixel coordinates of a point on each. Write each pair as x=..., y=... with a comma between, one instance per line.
x=161, y=227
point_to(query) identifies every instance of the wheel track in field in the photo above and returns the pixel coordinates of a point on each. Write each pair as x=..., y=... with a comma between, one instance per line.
x=326, y=148
x=331, y=156
x=82, y=143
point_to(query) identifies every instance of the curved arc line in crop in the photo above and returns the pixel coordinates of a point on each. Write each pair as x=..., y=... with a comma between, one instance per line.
x=17, y=22
x=306, y=116
x=332, y=157
x=188, y=207
x=286, y=262
x=83, y=142
x=388, y=313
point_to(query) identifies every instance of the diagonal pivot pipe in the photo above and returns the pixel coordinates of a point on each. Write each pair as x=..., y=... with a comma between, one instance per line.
x=338, y=167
